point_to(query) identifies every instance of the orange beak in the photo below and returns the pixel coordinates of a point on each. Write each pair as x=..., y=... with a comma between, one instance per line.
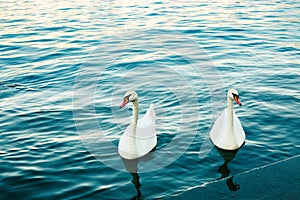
x=237, y=100
x=124, y=102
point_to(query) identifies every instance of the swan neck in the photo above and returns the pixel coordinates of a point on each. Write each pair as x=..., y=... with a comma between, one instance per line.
x=135, y=112
x=230, y=113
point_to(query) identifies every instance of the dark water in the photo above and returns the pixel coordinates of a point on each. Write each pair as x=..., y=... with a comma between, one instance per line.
x=66, y=65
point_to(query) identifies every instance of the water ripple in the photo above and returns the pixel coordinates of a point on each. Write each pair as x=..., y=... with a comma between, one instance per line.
x=45, y=46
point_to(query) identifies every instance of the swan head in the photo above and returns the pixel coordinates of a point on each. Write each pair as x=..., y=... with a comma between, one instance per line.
x=129, y=96
x=234, y=95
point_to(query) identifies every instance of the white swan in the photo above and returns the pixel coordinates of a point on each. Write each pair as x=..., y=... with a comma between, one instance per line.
x=227, y=132
x=140, y=137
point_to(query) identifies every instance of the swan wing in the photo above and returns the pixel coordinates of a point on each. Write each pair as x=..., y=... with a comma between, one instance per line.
x=148, y=119
x=146, y=138
x=219, y=125
x=239, y=132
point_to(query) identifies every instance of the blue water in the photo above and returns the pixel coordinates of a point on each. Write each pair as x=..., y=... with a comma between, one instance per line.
x=65, y=67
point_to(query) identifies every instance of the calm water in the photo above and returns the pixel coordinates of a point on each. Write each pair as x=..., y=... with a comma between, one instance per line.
x=66, y=65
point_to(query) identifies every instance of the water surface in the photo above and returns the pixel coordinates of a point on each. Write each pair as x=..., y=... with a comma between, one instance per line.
x=66, y=65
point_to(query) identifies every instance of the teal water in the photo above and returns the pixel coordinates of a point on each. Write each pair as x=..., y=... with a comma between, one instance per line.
x=66, y=65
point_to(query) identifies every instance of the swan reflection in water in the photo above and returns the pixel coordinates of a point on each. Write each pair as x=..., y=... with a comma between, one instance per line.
x=227, y=156
x=132, y=168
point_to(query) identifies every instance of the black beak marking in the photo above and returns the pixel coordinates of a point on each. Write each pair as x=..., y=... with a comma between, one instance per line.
x=235, y=95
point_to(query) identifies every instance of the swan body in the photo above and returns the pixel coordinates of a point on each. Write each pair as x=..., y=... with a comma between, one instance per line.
x=227, y=132
x=139, y=137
